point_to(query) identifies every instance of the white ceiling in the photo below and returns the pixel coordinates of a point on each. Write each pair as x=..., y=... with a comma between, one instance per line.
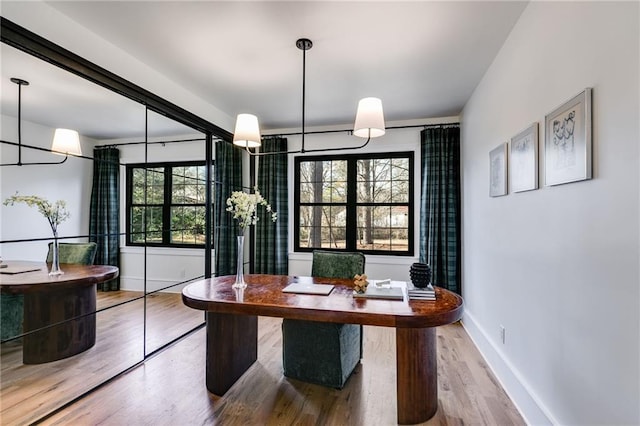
x=57, y=98
x=422, y=58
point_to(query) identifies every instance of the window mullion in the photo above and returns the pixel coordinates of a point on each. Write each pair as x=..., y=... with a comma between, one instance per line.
x=352, y=222
x=392, y=219
x=129, y=203
x=166, y=207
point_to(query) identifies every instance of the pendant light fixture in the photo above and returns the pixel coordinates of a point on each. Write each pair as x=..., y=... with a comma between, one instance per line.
x=369, y=121
x=65, y=141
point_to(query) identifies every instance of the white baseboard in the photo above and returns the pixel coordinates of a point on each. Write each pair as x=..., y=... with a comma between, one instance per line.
x=527, y=403
x=137, y=284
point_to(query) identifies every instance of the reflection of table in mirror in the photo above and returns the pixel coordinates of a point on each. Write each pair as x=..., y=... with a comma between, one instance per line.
x=59, y=311
x=232, y=320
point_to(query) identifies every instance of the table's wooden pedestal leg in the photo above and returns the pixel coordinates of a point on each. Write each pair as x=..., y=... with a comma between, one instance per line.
x=417, y=382
x=232, y=347
x=71, y=336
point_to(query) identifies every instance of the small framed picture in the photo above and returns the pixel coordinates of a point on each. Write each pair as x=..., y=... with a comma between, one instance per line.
x=523, y=160
x=567, y=142
x=498, y=171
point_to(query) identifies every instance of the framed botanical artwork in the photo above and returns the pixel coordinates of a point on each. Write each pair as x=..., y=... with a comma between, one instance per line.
x=498, y=171
x=567, y=142
x=523, y=160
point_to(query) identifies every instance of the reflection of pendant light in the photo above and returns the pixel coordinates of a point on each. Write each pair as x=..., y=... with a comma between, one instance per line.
x=369, y=119
x=65, y=141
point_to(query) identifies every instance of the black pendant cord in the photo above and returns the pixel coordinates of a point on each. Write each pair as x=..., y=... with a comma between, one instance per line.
x=21, y=83
x=305, y=44
x=302, y=45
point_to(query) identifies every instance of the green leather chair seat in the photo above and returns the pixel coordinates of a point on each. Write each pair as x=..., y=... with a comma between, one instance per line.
x=319, y=352
x=12, y=305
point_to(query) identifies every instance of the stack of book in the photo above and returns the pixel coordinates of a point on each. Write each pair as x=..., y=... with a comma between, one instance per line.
x=425, y=293
x=386, y=292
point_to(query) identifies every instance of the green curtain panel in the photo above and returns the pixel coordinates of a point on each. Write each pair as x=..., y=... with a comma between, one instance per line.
x=104, y=211
x=440, y=244
x=228, y=173
x=271, y=237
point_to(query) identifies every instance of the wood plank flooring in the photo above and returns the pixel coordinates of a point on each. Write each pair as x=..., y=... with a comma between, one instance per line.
x=29, y=392
x=169, y=389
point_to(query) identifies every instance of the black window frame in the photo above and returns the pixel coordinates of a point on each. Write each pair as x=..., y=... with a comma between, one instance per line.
x=352, y=204
x=166, y=206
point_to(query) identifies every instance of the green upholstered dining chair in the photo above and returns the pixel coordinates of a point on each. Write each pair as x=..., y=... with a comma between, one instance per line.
x=78, y=253
x=11, y=311
x=319, y=352
x=12, y=305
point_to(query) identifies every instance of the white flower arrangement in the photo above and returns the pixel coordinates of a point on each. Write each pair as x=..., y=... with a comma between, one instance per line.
x=244, y=207
x=55, y=213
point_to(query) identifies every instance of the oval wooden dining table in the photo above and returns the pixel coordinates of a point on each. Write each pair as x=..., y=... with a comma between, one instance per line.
x=232, y=329
x=59, y=311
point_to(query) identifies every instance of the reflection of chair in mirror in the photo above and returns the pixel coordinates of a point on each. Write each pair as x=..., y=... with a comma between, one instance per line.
x=78, y=253
x=12, y=305
x=319, y=352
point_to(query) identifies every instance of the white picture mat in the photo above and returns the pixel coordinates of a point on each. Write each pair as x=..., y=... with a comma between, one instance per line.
x=523, y=161
x=567, y=148
x=498, y=171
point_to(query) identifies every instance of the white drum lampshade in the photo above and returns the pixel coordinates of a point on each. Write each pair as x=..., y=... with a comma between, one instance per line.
x=247, y=132
x=369, y=118
x=66, y=142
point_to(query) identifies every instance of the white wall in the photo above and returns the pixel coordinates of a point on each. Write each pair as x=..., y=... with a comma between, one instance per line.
x=70, y=181
x=166, y=266
x=559, y=267
x=162, y=266
x=47, y=22
x=395, y=140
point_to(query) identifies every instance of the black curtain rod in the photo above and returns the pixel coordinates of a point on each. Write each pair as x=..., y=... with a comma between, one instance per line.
x=38, y=148
x=319, y=132
x=152, y=143
x=424, y=126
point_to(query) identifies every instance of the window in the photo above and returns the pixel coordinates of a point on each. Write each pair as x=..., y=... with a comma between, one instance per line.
x=355, y=202
x=166, y=204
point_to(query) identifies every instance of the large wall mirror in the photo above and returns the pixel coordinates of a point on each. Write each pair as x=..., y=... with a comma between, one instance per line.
x=164, y=167
x=163, y=190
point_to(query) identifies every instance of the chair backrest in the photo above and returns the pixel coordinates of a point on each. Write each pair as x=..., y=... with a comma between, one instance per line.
x=79, y=253
x=333, y=264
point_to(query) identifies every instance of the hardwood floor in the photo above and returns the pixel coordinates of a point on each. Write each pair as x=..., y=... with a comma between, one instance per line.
x=29, y=392
x=169, y=389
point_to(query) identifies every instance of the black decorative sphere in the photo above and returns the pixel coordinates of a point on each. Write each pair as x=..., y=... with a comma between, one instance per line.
x=420, y=274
